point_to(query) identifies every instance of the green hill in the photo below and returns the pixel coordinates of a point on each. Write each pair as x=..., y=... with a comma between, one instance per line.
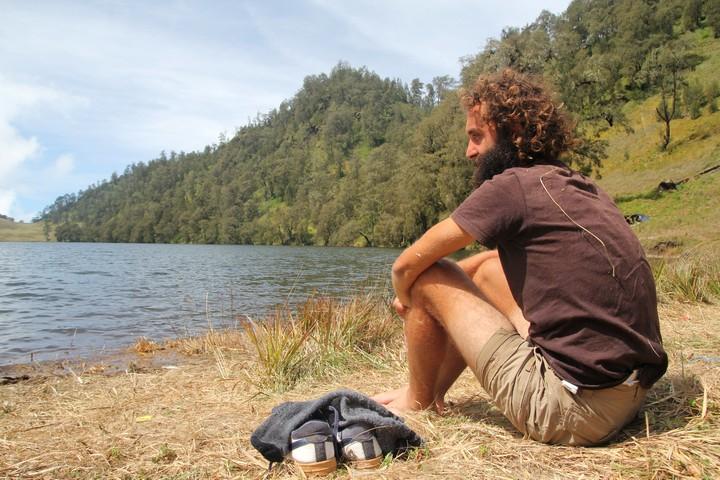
x=11, y=231
x=636, y=165
x=683, y=218
x=353, y=159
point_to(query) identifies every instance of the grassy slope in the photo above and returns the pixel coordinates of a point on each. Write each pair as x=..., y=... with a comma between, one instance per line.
x=636, y=165
x=21, y=232
x=687, y=216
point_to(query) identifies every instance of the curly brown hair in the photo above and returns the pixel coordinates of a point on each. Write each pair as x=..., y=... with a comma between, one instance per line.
x=523, y=111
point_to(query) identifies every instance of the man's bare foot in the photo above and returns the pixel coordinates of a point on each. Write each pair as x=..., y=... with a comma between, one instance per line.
x=405, y=403
x=397, y=401
x=400, y=401
x=440, y=406
x=391, y=395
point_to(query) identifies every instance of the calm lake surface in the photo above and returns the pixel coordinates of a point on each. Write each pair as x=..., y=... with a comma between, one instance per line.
x=60, y=300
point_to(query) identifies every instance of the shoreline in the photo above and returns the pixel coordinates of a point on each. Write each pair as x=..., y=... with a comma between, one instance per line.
x=109, y=363
x=60, y=301
x=195, y=420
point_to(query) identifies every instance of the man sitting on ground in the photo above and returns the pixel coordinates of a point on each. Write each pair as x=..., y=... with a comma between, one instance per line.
x=559, y=323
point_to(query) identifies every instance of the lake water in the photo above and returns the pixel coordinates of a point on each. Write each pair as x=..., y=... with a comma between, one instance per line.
x=60, y=300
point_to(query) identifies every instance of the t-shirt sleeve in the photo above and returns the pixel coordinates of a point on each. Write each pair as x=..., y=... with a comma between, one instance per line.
x=494, y=211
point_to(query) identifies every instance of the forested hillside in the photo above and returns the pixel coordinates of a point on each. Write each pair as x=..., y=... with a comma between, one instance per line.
x=354, y=159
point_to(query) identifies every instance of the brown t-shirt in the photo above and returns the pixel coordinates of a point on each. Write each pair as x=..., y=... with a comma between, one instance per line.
x=592, y=308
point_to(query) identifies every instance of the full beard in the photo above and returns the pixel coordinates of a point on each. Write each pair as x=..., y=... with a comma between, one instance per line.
x=494, y=162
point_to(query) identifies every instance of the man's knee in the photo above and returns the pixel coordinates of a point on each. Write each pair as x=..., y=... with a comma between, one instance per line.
x=489, y=272
x=436, y=271
x=482, y=266
x=441, y=272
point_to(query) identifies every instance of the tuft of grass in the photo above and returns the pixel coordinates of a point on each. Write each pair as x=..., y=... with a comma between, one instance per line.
x=210, y=342
x=687, y=279
x=324, y=335
x=6, y=407
x=114, y=454
x=653, y=194
x=145, y=345
x=279, y=345
x=165, y=454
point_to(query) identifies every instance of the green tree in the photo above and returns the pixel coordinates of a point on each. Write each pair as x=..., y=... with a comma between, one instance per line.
x=712, y=91
x=692, y=14
x=416, y=92
x=694, y=98
x=46, y=229
x=69, y=232
x=665, y=69
x=712, y=15
x=443, y=85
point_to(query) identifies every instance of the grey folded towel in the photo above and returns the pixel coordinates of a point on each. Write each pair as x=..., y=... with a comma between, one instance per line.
x=272, y=437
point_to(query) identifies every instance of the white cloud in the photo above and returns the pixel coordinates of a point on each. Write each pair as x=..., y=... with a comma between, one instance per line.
x=135, y=67
x=18, y=95
x=7, y=198
x=14, y=149
x=64, y=165
x=17, y=149
x=435, y=34
x=284, y=37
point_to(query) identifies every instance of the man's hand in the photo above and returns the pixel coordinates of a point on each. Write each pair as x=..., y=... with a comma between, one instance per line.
x=401, y=309
x=442, y=239
x=402, y=290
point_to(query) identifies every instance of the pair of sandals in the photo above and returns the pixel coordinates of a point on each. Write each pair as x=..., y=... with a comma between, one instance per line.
x=316, y=447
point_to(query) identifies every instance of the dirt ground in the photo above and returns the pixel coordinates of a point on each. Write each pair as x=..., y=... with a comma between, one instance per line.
x=165, y=415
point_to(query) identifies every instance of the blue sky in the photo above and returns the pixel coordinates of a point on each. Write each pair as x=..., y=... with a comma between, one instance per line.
x=88, y=87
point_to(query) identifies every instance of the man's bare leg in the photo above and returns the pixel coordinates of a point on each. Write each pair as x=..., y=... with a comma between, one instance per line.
x=451, y=366
x=489, y=278
x=428, y=342
x=419, y=329
x=447, y=309
x=487, y=274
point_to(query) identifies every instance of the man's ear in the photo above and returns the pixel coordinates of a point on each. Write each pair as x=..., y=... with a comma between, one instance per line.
x=516, y=133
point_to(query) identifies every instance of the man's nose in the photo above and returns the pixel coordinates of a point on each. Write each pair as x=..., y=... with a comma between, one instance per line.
x=471, y=151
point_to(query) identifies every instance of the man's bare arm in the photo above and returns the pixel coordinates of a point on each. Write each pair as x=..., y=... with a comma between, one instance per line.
x=441, y=240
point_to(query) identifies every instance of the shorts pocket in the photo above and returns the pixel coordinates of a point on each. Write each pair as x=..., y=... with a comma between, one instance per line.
x=596, y=416
x=586, y=428
x=545, y=407
x=517, y=403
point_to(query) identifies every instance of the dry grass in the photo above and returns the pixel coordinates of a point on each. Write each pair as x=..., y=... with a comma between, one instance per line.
x=22, y=232
x=194, y=419
x=144, y=345
x=688, y=278
x=322, y=338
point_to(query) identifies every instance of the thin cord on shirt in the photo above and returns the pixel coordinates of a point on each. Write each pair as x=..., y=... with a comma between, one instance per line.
x=607, y=254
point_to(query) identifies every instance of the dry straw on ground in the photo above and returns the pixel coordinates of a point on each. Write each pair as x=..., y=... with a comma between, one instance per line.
x=193, y=418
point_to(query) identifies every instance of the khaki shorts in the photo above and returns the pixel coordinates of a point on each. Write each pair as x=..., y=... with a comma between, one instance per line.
x=525, y=388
